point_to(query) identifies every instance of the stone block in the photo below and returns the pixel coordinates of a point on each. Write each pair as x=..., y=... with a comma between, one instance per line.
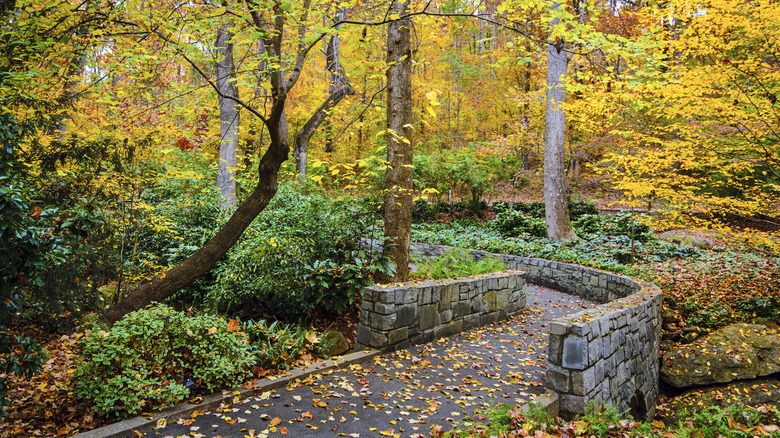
x=377, y=340
x=557, y=379
x=575, y=353
x=411, y=295
x=426, y=296
x=383, y=322
x=429, y=317
x=386, y=296
x=363, y=334
x=367, y=306
x=583, y=382
x=364, y=318
x=406, y=315
x=449, y=329
x=445, y=316
x=598, y=371
x=580, y=329
x=470, y=321
x=488, y=318
x=554, y=349
x=503, y=283
x=446, y=297
x=435, y=295
x=572, y=404
x=502, y=299
x=594, y=351
x=398, y=335
x=461, y=309
x=384, y=308
x=489, y=302
x=606, y=345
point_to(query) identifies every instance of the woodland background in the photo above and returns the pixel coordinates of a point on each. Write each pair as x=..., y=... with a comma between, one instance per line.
x=133, y=130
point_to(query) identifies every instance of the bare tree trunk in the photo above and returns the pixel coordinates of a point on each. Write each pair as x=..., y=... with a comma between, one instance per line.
x=229, y=118
x=398, y=177
x=557, y=215
x=338, y=88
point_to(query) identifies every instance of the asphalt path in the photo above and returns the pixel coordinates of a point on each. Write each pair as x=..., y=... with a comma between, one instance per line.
x=401, y=394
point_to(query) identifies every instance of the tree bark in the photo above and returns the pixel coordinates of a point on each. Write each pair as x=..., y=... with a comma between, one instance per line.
x=556, y=214
x=229, y=118
x=398, y=177
x=338, y=88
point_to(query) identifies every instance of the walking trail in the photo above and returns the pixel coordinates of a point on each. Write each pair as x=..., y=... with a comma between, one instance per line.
x=405, y=393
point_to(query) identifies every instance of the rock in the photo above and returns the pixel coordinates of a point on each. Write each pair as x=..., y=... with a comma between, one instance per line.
x=333, y=344
x=735, y=352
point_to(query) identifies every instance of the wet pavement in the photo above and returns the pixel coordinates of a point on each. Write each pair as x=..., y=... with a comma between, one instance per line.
x=405, y=393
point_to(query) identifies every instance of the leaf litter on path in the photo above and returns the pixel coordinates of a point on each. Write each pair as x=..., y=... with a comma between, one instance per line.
x=404, y=393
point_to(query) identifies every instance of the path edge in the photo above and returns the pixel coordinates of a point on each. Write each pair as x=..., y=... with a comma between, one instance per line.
x=135, y=427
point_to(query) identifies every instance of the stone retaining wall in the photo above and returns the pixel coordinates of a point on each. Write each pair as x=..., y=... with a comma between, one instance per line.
x=418, y=312
x=607, y=354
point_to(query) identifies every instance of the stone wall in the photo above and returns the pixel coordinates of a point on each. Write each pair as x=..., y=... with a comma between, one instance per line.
x=405, y=314
x=607, y=354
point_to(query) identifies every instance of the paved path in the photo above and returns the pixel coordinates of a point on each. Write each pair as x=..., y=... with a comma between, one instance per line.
x=402, y=394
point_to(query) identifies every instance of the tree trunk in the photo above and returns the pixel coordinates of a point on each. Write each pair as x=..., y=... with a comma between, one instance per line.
x=556, y=214
x=338, y=88
x=184, y=274
x=229, y=118
x=398, y=177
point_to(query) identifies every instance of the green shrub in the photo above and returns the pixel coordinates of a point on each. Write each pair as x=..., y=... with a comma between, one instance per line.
x=620, y=224
x=303, y=256
x=144, y=360
x=455, y=264
x=515, y=223
x=763, y=307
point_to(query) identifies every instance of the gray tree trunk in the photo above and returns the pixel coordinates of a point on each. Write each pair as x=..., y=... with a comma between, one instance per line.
x=338, y=88
x=229, y=118
x=556, y=214
x=398, y=177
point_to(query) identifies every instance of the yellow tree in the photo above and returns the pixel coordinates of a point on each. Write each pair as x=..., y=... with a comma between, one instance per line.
x=710, y=151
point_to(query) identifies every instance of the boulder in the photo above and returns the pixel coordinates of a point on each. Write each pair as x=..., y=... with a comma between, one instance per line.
x=736, y=352
x=333, y=344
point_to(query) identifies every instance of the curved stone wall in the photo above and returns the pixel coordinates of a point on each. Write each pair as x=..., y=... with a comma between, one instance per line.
x=607, y=354
x=403, y=314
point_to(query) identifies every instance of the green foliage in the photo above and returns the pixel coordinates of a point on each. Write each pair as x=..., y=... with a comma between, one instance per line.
x=599, y=419
x=620, y=224
x=277, y=344
x=515, y=223
x=449, y=169
x=736, y=421
x=710, y=314
x=144, y=360
x=598, y=251
x=763, y=307
x=303, y=256
x=454, y=264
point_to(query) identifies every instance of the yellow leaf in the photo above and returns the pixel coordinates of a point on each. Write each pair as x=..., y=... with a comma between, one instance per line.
x=212, y=330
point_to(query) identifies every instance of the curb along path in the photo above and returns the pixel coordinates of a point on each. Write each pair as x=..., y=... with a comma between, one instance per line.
x=398, y=394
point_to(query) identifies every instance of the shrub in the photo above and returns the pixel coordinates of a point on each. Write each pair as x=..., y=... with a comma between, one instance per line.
x=515, y=223
x=146, y=358
x=303, y=256
x=620, y=224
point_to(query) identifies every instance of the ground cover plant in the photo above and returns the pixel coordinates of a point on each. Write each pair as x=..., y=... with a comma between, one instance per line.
x=603, y=421
x=454, y=264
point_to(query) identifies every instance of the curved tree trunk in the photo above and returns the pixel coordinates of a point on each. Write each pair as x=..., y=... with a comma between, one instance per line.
x=398, y=176
x=184, y=274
